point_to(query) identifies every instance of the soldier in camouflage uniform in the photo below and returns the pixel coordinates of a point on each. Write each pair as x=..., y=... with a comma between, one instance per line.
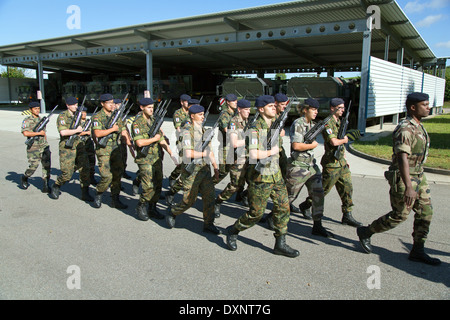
x=409, y=187
x=90, y=148
x=180, y=117
x=123, y=145
x=336, y=172
x=200, y=180
x=150, y=165
x=281, y=102
x=39, y=152
x=302, y=168
x=110, y=163
x=265, y=182
x=236, y=133
x=225, y=159
x=75, y=157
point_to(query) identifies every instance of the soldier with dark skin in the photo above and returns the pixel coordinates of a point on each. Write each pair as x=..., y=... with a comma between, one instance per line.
x=72, y=158
x=200, y=180
x=409, y=189
x=39, y=151
x=265, y=182
x=150, y=165
x=110, y=162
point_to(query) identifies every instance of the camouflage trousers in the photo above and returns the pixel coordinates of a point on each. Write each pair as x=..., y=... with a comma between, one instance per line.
x=36, y=156
x=90, y=150
x=200, y=181
x=340, y=177
x=421, y=207
x=71, y=160
x=110, y=166
x=151, y=178
x=297, y=177
x=258, y=195
x=237, y=181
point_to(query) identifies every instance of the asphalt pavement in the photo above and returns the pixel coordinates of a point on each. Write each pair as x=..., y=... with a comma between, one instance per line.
x=67, y=250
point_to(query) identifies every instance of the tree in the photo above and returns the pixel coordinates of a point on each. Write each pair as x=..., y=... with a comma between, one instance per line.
x=14, y=72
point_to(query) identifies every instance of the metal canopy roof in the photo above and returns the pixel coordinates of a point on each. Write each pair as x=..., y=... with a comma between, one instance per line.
x=287, y=37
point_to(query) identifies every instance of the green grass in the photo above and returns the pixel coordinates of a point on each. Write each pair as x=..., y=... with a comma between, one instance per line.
x=438, y=129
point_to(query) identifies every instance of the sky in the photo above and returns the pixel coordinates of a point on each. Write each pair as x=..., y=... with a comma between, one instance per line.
x=29, y=20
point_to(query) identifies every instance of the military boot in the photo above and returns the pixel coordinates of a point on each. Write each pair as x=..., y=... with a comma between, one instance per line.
x=319, y=230
x=169, y=197
x=281, y=248
x=364, y=235
x=141, y=212
x=305, y=210
x=170, y=219
x=45, y=185
x=85, y=196
x=418, y=254
x=98, y=200
x=24, y=182
x=136, y=184
x=348, y=219
x=54, y=194
x=232, y=235
x=217, y=208
x=116, y=203
x=153, y=212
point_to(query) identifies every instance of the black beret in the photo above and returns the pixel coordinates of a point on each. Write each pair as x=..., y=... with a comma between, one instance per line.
x=263, y=101
x=417, y=97
x=230, y=97
x=70, y=101
x=280, y=97
x=244, y=104
x=193, y=101
x=116, y=101
x=106, y=97
x=336, y=101
x=146, y=101
x=196, y=108
x=313, y=103
x=34, y=104
x=185, y=97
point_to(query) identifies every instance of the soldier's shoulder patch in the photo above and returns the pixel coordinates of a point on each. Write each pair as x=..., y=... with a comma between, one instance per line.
x=329, y=131
x=62, y=122
x=232, y=126
x=136, y=130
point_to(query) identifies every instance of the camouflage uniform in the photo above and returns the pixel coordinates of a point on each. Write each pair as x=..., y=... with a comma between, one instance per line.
x=238, y=169
x=150, y=166
x=224, y=158
x=412, y=138
x=200, y=181
x=180, y=117
x=71, y=159
x=303, y=170
x=336, y=171
x=283, y=158
x=39, y=151
x=264, y=184
x=110, y=163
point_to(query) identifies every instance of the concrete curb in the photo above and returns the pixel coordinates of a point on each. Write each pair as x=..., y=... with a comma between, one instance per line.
x=388, y=162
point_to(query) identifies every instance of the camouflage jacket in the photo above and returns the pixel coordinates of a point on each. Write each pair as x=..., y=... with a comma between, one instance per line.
x=224, y=122
x=100, y=122
x=237, y=126
x=297, y=133
x=412, y=138
x=140, y=129
x=192, y=139
x=28, y=124
x=180, y=117
x=331, y=131
x=63, y=122
x=257, y=139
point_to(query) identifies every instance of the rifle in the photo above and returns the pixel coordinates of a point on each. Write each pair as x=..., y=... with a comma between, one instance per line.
x=116, y=116
x=75, y=123
x=88, y=124
x=341, y=133
x=206, y=114
x=156, y=125
x=39, y=127
x=312, y=133
x=191, y=166
x=274, y=133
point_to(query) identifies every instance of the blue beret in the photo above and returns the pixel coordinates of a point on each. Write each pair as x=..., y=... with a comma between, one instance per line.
x=313, y=103
x=34, y=104
x=146, y=101
x=280, y=97
x=230, y=97
x=106, y=97
x=193, y=101
x=70, y=101
x=244, y=104
x=417, y=97
x=263, y=101
x=185, y=97
x=116, y=101
x=196, y=108
x=336, y=101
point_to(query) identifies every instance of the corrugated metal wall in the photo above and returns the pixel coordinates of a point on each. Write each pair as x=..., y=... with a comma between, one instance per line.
x=390, y=83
